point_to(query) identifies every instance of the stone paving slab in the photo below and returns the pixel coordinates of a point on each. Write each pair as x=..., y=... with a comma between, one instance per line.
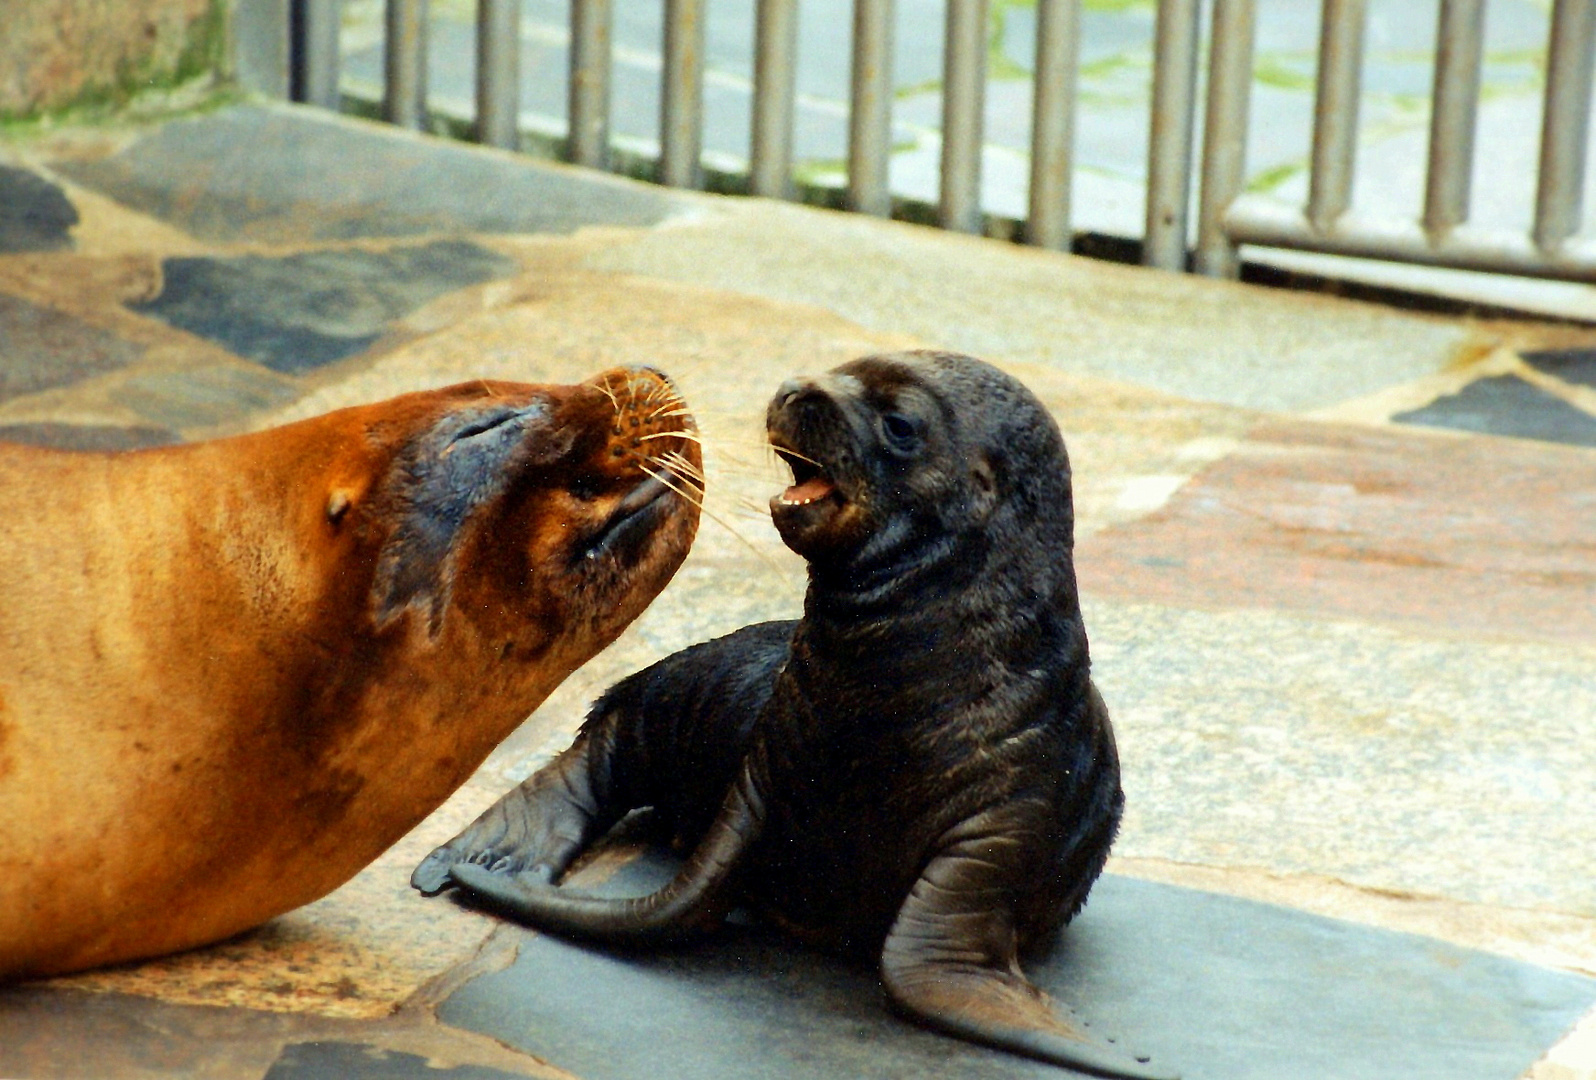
x=1211, y=986
x=1380, y=525
x=280, y=176
x=1348, y=735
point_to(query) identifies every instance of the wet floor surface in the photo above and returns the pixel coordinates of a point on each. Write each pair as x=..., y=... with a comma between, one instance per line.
x=1338, y=564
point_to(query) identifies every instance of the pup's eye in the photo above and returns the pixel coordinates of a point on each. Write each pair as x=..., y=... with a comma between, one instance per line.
x=900, y=430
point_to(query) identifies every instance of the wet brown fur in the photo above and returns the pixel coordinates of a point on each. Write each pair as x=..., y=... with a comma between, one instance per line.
x=228, y=682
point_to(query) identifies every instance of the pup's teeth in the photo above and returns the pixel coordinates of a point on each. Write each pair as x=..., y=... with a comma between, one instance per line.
x=811, y=490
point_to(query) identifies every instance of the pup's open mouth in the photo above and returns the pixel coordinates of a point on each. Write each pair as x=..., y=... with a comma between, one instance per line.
x=810, y=483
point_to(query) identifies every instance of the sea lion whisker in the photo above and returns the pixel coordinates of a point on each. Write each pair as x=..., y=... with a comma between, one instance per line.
x=785, y=452
x=685, y=488
x=682, y=462
x=723, y=523
x=690, y=436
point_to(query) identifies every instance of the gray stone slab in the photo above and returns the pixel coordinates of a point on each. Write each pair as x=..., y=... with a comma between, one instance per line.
x=35, y=215
x=1209, y=985
x=87, y=436
x=299, y=312
x=1570, y=365
x=327, y=1060
x=293, y=175
x=201, y=397
x=52, y=1033
x=1506, y=405
x=42, y=348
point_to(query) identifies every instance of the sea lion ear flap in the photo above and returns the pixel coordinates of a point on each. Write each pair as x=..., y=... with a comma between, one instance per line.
x=983, y=486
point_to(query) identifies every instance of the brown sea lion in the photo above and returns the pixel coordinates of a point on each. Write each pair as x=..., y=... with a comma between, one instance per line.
x=232, y=673
x=919, y=771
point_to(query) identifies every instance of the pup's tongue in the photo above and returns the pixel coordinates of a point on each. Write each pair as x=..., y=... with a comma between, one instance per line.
x=811, y=490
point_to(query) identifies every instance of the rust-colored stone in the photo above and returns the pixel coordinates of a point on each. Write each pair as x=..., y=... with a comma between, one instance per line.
x=1491, y=537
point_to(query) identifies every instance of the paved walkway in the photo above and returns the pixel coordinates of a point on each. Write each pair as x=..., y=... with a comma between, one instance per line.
x=1338, y=561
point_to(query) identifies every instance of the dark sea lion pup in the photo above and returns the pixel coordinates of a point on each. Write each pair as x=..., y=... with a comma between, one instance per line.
x=919, y=770
x=232, y=673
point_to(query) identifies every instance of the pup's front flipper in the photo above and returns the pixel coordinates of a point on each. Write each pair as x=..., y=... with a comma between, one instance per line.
x=535, y=830
x=950, y=962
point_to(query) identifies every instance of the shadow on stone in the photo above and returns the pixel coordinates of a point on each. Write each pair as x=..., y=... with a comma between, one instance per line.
x=1570, y=365
x=1213, y=987
x=297, y=313
x=354, y=1061
x=203, y=397
x=42, y=349
x=87, y=436
x=1506, y=405
x=291, y=175
x=35, y=215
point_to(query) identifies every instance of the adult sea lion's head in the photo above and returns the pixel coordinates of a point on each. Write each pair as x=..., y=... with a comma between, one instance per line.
x=526, y=523
x=277, y=653
x=911, y=459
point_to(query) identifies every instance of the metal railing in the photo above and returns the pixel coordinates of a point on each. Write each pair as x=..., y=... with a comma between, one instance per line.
x=1442, y=236
x=1227, y=216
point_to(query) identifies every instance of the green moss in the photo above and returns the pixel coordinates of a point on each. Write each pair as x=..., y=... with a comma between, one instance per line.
x=1278, y=70
x=200, y=60
x=1273, y=177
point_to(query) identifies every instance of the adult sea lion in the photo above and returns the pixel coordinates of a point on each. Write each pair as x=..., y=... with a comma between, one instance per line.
x=919, y=770
x=232, y=673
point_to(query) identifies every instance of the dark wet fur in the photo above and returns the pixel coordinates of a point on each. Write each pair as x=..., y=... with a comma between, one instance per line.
x=920, y=768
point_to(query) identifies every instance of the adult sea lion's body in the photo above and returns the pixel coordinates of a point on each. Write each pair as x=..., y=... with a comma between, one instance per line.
x=919, y=770
x=232, y=673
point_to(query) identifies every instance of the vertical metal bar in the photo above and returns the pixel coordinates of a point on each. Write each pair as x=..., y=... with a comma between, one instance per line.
x=963, y=105
x=589, y=105
x=1335, y=111
x=1565, y=126
x=1459, y=43
x=870, y=115
x=775, y=75
x=681, y=117
x=1169, y=142
x=1058, y=51
x=1224, y=168
x=318, y=73
x=405, y=95
x=498, y=72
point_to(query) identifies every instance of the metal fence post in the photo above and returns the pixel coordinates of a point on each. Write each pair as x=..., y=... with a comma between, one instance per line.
x=1459, y=43
x=1170, y=138
x=1058, y=49
x=1335, y=111
x=405, y=95
x=775, y=79
x=681, y=119
x=316, y=74
x=870, y=117
x=1224, y=166
x=498, y=72
x=1566, y=122
x=963, y=104
x=588, y=109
